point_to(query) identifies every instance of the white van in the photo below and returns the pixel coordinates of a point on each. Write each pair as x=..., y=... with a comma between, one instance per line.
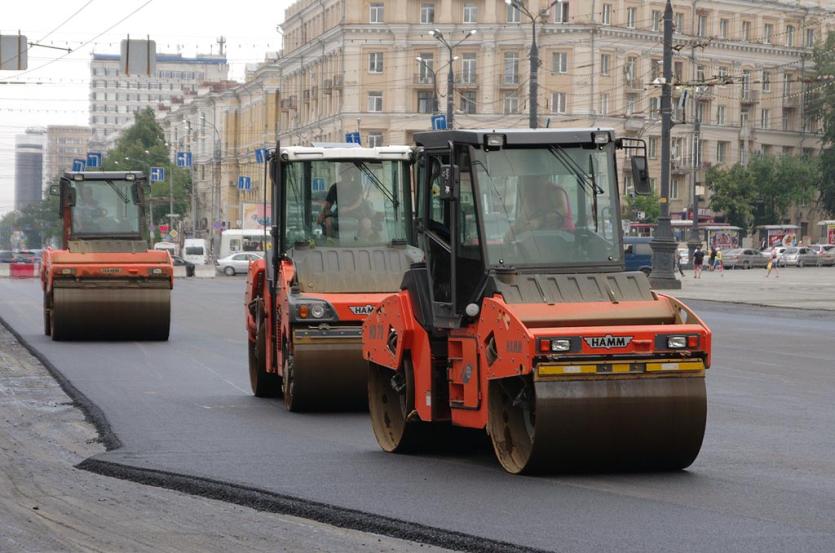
x=196, y=250
x=170, y=247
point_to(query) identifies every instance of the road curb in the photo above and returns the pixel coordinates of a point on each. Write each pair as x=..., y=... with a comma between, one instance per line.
x=287, y=505
x=92, y=413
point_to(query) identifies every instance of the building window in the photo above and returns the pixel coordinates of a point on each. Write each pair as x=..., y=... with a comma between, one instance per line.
x=700, y=73
x=768, y=33
x=375, y=101
x=606, y=16
x=652, y=147
x=470, y=13
x=700, y=110
x=787, y=84
x=375, y=139
x=722, y=152
x=631, y=69
x=511, y=103
x=766, y=81
x=375, y=13
x=558, y=102
x=678, y=71
x=724, y=25
x=561, y=12
x=604, y=63
x=674, y=188
x=722, y=74
x=786, y=120
x=468, y=68
x=746, y=31
x=631, y=16
x=701, y=25
x=604, y=104
x=560, y=62
x=657, y=20
x=720, y=115
x=764, y=113
x=375, y=62
x=468, y=101
x=511, y=68
x=678, y=22
x=513, y=14
x=427, y=13
x=810, y=38
x=426, y=102
x=425, y=67
x=631, y=103
x=654, y=107
x=790, y=36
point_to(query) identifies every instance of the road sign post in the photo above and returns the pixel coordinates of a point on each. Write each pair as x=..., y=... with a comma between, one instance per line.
x=78, y=165
x=93, y=160
x=157, y=174
x=352, y=138
x=261, y=155
x=183, y=159
x=244, y=183
x=438, y=122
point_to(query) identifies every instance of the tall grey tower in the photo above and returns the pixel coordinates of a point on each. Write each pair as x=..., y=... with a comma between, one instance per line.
x=29, y=150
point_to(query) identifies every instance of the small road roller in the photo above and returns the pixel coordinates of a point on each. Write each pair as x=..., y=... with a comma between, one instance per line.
x=341, y=242
x=522, y=321
x=105, y=283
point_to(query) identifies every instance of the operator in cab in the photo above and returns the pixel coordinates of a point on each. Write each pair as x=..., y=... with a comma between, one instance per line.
x=346, y=203
x=543, y=205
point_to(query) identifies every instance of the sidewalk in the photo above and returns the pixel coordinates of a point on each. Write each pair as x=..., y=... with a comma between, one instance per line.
x=807, y=288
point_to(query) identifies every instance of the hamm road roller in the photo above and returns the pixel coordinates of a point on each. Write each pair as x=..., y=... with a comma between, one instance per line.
x=340, y=243
x=522, y=320
x=105, y=284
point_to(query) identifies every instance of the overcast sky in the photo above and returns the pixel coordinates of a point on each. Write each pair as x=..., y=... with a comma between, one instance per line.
x=57, y=93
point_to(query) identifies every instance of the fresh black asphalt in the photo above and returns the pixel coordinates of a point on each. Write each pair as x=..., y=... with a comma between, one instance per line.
x=184, y=416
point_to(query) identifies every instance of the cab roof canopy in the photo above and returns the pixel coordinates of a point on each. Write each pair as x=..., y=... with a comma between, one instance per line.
x=104, y=175
x=512, y=137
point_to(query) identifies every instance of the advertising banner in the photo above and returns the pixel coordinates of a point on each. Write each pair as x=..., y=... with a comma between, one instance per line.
x=723, y=239
x=255, y=216
x=830, y=234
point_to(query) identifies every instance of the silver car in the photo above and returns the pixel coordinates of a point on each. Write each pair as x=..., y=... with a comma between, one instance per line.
x=743, y=259
x=236, y=263
x=799, y=257
x=826, y=253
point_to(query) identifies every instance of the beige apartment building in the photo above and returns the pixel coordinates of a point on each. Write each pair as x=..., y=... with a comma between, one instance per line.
x=222, y=124
x=740, y=65
x=64, y=143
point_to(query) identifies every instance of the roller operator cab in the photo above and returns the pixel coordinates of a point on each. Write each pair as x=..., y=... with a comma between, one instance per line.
x=339, y=245
x=522, y=320
x=105, y=282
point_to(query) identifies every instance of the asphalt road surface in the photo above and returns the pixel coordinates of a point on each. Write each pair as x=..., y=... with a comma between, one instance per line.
x=764, y=481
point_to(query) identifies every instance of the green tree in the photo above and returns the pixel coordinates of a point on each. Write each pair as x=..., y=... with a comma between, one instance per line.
x=820, y=103
x=39, y=222
x=141, y=147
x=650, y=206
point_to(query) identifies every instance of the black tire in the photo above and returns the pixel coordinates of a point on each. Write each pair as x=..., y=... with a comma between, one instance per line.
x=292, y=402
x=229, y=271
x=800, y=264
x=746, y=265
x=263, y=384
x=393, y=420
x=646, y=270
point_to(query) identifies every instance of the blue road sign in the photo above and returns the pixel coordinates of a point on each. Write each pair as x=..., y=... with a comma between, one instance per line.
x=157, y=174
x=244, y=183
x=183, y=159
x=261, y=155
x=438, y=122
x=352, y=138
x=78, y=165
x=93, y=160
x=317, y=184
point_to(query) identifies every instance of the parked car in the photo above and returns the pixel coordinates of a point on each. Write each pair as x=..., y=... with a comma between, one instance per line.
x=743, y=258
x=800, y=257
x=180, y=262
x=637, y=253
x=7, y=256
x=826, y=253
x=236, y=263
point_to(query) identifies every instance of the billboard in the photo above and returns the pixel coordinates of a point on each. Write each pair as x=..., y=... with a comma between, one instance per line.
x=255, y=215
x=830, y=234
x=723, y=239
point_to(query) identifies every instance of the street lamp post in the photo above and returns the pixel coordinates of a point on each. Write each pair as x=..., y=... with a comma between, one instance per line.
x=215, y=160
x=428, y=67
x=533, y=82
x=663, y=244
x=450, y=76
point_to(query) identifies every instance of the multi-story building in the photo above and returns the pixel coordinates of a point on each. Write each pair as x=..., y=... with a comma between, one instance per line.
x=115, y=97
x=352, y=65
x=29, y=168
x=64, y=143
x=222, y=126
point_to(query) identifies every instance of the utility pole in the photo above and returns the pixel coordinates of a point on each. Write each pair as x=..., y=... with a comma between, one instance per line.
x=193, y=191
x=695, y=239
x=663, y=244
x=533, y=82
x=450, y=79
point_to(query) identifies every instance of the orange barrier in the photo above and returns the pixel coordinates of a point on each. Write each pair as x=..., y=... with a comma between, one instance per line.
x=22, y=270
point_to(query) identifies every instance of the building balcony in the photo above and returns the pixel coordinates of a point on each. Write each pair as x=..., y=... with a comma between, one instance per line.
x=327, y=86
x=679, y=167
x=705, y=93
x=470, y=80
x=509, y=83
x=792, y=101
x=749, y=97
x=634, y=123
x=337, y=82
x=423, y=81
x=746, y=132
x=633, y=86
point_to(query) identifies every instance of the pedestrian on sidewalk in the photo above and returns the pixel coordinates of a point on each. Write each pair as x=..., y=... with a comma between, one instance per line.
x=772, y=264
x=678, y=264
x=712, y=259
x=698, y=259
x=718, y=263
